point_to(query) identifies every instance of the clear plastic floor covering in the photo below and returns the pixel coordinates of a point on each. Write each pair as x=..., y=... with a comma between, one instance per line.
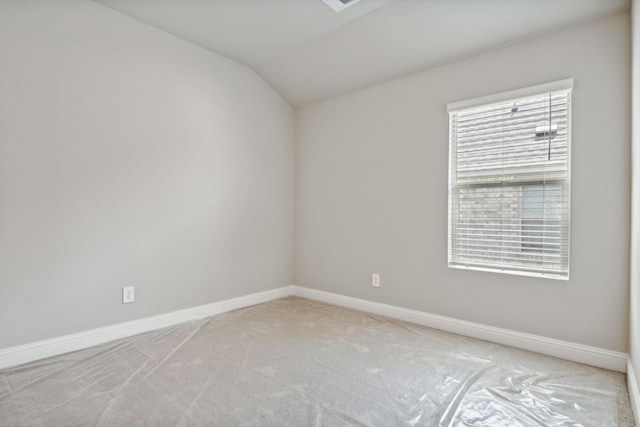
x=295, y=362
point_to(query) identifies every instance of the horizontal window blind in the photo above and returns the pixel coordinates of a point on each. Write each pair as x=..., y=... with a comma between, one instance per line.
x=509, y=185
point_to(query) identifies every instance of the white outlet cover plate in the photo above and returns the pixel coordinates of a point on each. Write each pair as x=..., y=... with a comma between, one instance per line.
x=128, y=294
x=375, y=280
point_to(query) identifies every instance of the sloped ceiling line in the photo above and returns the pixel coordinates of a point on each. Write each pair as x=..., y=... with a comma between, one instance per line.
x=308, y=52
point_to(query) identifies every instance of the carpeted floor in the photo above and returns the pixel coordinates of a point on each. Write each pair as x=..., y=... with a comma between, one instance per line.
x=295, y=362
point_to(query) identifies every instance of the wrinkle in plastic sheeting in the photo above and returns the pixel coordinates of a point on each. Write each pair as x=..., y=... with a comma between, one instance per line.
x=304, y=363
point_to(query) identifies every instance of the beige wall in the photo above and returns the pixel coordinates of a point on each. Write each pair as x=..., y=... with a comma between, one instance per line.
x=130, y=157
x=371, y=191
x=634, y=345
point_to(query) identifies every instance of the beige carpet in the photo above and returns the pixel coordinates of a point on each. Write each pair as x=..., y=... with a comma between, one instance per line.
x=295, y=362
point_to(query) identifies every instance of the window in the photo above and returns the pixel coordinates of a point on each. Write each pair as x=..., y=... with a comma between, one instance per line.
x=509, y=157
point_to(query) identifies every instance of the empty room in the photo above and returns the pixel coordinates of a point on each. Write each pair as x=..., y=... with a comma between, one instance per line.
x=320, y=213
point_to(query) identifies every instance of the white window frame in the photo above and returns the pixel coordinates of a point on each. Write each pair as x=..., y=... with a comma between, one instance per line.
x=564, y=86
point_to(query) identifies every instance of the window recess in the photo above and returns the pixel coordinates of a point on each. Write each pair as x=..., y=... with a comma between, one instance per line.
x=509, y=158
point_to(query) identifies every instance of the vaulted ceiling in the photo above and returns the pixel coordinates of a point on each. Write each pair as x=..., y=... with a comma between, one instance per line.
x=308, y=52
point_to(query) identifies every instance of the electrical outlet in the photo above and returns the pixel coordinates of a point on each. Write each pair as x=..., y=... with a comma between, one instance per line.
x=128, y=294
x=375, y=280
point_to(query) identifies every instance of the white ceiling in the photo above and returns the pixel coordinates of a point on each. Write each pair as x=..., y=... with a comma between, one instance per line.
x=308, y=52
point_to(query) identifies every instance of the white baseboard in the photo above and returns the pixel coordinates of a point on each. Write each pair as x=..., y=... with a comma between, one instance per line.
x=21, y=354
x=594, y=356
x=634, y=393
